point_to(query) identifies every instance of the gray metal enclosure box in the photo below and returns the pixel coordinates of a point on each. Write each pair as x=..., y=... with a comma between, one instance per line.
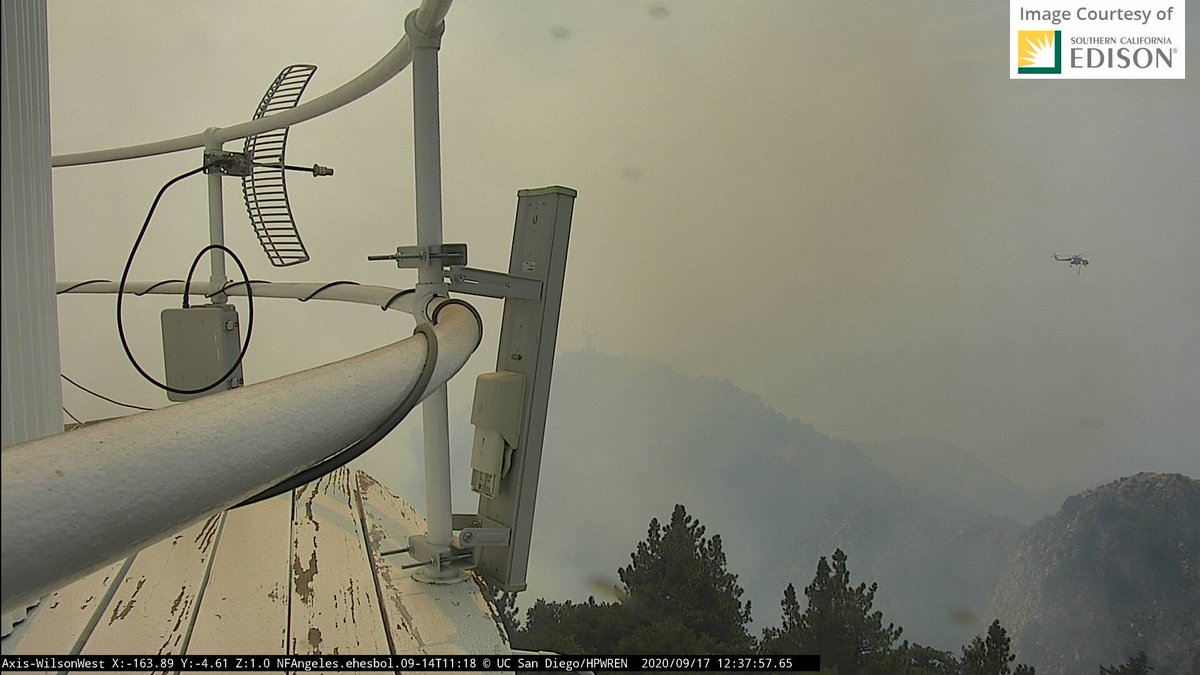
x=199, y=345
x=527, y=336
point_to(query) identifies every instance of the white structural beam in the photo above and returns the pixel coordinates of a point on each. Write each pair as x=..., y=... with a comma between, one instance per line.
x=216, y=224
x=429, y=16
x=74, y=502
x=427, y=158
x=30, y=395
x=31, y=402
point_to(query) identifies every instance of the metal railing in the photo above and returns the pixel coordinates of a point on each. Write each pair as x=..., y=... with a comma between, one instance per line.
x=429, y=16
x=74, y=502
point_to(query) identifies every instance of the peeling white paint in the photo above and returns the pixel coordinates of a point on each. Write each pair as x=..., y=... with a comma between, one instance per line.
x=309, y=560
x=154, y=606
x=245, y=606
x=430, y=618
x=334, y=609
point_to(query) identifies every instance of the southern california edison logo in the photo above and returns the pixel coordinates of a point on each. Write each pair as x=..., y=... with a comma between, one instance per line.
x=1097, y=39
x=1039, y=52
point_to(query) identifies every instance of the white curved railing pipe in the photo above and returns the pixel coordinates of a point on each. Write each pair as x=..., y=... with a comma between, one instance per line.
x=429, y=15
x=380, y=296
x=76, y=501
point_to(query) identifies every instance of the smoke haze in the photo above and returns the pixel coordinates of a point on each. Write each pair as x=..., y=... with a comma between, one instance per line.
x=846, y=208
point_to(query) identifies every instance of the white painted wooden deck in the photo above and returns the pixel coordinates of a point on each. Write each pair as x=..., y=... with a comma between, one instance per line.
x=298, y=574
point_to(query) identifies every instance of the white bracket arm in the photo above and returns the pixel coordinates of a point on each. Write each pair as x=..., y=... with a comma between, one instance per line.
x=493, y=284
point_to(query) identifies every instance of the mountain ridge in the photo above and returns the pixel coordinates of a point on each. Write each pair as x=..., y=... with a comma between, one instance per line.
x=780, y=492
x=628, y=437
x=1113, y=572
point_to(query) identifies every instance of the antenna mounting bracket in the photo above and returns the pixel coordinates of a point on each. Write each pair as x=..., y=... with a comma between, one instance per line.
x=493, y=284
x=450, y=255
x=227, y=163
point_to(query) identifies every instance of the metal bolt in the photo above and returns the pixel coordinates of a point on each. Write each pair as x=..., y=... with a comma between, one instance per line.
x=398, y=256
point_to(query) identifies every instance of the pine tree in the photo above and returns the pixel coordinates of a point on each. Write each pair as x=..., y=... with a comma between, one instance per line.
x=992, y=655
x=585, y=628
x=921, y=660
x=838, y=624
x=676, y=598
x=786, y=638
x=677, y=580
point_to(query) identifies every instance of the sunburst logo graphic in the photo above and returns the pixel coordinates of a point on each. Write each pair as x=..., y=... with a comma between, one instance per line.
x=1039, y=52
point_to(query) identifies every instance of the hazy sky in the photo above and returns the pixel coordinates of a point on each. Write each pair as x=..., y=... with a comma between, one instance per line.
x=845, y=207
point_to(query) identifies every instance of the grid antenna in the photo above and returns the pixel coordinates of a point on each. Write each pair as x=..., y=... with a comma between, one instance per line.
x=264, y=188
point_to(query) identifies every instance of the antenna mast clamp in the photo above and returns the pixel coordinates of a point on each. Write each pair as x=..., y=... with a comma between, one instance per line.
x=450, y=255
x=227, y=163
x=463, y=279
x=443, y=563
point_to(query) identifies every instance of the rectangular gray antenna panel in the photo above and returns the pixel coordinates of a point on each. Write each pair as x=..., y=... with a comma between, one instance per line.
x=527, y=336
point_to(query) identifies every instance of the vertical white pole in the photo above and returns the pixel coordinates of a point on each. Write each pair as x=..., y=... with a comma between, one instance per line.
x=31, y=398
x=32, y=393
x=428, y=160
x=435, y=420
x=216, y=221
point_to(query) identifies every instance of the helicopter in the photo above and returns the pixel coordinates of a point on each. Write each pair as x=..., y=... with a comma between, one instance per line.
x=1076, y=261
